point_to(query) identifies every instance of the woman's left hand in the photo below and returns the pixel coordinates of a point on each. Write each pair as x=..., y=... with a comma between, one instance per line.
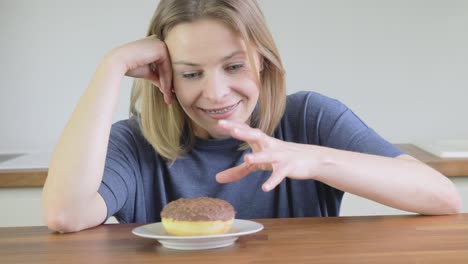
x=285, y=159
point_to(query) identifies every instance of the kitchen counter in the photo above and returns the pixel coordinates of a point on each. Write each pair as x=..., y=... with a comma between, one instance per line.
x=30, y=170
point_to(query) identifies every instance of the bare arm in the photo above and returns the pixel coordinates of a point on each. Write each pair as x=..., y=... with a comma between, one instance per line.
x=71, y=201
x=403, y=182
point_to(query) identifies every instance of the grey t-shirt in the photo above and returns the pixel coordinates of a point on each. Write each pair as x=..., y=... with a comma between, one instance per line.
x=138, y=183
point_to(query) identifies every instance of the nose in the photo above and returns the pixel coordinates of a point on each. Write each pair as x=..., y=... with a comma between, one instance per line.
x=216, y=87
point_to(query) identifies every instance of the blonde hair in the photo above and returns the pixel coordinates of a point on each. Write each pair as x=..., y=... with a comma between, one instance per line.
x=163, y=125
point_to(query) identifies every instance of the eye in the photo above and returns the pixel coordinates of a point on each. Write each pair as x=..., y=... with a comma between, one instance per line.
x=235, y=67
x=192, y=75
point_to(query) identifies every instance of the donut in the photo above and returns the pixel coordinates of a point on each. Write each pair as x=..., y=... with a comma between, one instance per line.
x=197, y=216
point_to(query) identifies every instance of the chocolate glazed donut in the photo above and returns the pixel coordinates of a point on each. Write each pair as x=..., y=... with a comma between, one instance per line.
x=197, y=216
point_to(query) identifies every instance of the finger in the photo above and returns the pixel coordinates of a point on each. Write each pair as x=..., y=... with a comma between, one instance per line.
x=163, y=87
x=234, y=174
x=165, y=73
x=279, y=173
x=257, y=140
x=229, y=125
x=156, y=77
x=262, y=157
x=249, y=135
x=253, y=136
x=144, y=72
x=156, y=85
x=242, y=131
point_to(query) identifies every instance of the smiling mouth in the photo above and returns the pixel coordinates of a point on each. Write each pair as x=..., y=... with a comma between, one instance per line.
x=220, y=110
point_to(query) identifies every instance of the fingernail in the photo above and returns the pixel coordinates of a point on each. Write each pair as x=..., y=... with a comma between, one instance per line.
x=219, y=178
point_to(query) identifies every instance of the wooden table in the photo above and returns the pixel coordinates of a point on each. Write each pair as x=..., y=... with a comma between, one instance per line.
x=371, y=239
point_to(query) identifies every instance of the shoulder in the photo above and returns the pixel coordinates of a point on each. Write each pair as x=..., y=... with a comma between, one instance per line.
x=126, y=128
x=320, y=120
x=308, y=117
x=127, y=133
x=313, y=102
x=312, y=107
x=126, y=125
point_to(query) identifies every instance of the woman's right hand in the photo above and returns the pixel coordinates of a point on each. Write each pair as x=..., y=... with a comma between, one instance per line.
x=148, y=58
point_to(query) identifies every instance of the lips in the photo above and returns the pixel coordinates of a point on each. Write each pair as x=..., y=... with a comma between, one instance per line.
x=220, y=111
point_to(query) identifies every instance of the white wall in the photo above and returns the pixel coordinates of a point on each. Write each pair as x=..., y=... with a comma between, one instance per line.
x=402, y=65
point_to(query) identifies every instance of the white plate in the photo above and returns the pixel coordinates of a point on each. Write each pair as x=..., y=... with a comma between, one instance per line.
x=157, y=231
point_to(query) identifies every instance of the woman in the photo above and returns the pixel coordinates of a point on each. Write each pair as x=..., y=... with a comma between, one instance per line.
x=209, y=108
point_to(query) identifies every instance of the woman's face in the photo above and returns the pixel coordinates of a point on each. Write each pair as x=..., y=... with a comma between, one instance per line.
x=213, y=78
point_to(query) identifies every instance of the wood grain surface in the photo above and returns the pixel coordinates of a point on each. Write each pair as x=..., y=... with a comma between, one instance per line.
x=369, y=239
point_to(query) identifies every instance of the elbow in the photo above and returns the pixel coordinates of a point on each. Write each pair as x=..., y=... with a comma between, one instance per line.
x=455, y=204
x=60, y=221
x=451, y=202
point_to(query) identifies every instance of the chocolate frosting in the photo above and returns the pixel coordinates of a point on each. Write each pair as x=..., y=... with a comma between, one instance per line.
x=198, y=209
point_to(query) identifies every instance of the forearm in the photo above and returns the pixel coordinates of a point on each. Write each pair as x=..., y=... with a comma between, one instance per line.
x=405, y=184
x=77, y=163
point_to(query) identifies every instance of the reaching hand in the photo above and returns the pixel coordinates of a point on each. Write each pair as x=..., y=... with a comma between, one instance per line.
x=285, y=159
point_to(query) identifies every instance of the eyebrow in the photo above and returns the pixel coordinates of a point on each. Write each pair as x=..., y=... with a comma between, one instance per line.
x=192, y=64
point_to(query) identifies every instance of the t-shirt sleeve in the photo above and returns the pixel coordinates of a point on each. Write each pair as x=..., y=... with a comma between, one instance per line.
x=337, y=126
x=118, y=180
x=351, y=133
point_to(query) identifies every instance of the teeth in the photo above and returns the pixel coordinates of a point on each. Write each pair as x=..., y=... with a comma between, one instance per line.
x=221, y=111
